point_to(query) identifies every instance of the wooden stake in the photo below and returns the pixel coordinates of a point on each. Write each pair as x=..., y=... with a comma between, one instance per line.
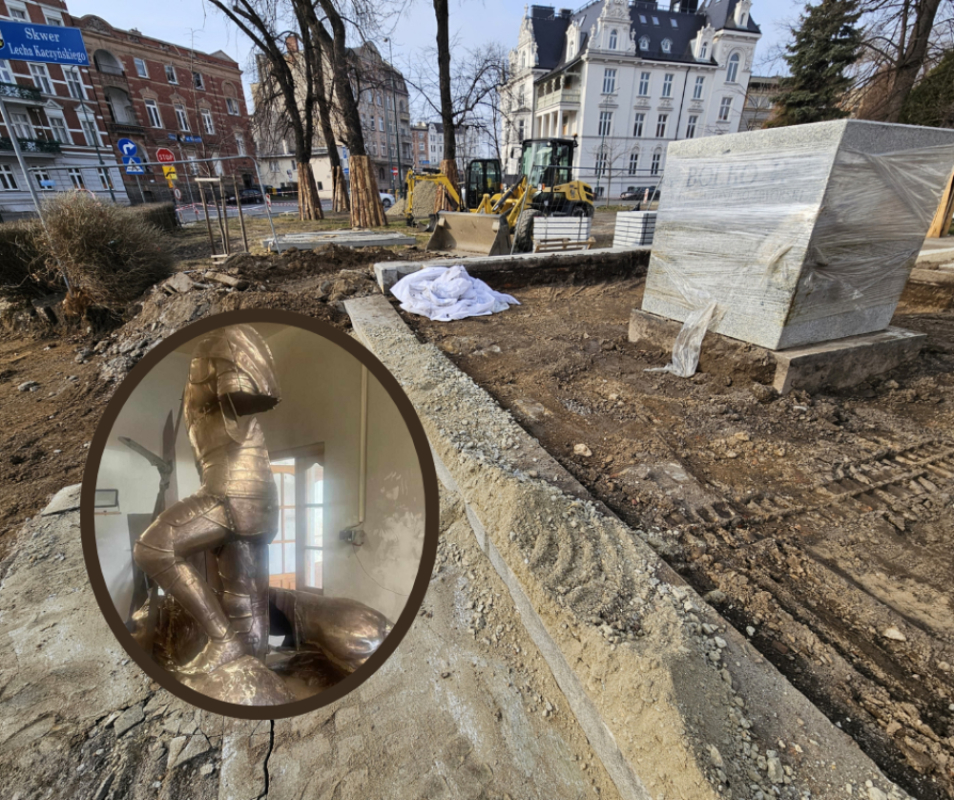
x=241, y=216
x=941, y=223
x=208, y=222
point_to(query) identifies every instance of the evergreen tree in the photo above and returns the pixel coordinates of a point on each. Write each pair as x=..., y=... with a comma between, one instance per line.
x=826, y=43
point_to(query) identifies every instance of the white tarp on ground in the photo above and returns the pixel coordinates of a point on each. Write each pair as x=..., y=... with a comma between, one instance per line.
x=448, y=293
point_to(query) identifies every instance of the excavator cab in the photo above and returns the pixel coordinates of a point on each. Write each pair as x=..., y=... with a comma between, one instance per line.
x=483, y=177
x=548, y=165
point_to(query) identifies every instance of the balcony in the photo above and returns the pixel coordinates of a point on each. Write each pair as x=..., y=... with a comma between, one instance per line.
x=25, y=94
x=111, y=77
x=126, y=128
x=559, y=97
x=31, y=147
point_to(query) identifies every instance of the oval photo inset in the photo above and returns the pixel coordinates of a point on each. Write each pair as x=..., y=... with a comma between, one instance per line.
x=259, y=514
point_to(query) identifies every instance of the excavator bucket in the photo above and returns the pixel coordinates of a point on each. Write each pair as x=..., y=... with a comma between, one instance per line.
x=465, y=232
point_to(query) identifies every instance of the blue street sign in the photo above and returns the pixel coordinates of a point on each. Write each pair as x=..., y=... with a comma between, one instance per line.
x=345, y=170
x=47, y=184
x=127, y=147
x=50, y=44
x=133, y=165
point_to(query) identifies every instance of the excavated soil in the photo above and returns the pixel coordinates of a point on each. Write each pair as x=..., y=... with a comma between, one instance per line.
x=819, y=525
x=74, y=368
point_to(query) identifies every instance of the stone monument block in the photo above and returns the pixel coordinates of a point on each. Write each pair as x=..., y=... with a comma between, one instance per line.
x=798, y=235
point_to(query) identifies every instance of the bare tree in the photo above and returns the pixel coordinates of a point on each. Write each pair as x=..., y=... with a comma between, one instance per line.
x=606, y=154
x=268, y=23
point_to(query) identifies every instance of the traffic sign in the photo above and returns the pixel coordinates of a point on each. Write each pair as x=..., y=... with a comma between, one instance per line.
x=170, y=173
x=178, y=194
x=394, y=171
x=133, y=165
x=127, y=147
x=165, y=156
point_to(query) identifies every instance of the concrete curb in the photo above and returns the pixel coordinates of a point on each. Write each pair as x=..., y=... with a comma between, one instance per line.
x=675, y=702
x=390, y=272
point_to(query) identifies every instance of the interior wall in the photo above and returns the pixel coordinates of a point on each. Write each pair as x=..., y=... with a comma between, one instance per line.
x=321, y=391
x=141, y=419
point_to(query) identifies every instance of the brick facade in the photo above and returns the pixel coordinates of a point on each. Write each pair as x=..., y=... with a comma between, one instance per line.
x=56, y=118
x=164, y=95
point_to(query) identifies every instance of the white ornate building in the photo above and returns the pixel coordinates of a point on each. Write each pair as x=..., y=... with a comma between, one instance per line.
x=625, y=79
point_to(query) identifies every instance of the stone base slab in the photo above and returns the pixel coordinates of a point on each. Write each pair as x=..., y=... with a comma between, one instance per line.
x=837, y=364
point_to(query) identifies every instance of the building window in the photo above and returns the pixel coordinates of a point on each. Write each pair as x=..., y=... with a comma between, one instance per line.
x=141, y=69
x=381, y=124
x=609, y=81
x=198, y=81
x=644, y=84
x=601, y=163
x=643, y=42
x=732, y=73
x=725, y=107
x=52, y=19
x=41, y=77
x=22, y=128
x=420, y=147
x=654, y=166
x=8, y=181
x=673, y=21
x=43, y=179
x=5, y=75
x=105, y=179
x=697, y=89
x=667, y=45
x=704, y=51
x=240, y=144
x=59, y=130
x=75, y=84
x=691, y=126
x=612, y=40
x=181, y=119
x=171, y=74
x=17, y=12
x=642, y=18
x=661, y=126
x=91, y=132
x=606, y=123
x=521, y=129
x=633, y=162
x=667, y=85
x=207, y=124
x=655, y=20
x=231, y=105
x=638, y=124
x=76, y=178
x=152, y=109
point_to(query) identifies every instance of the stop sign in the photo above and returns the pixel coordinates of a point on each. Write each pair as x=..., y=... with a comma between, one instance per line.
x=165, y=156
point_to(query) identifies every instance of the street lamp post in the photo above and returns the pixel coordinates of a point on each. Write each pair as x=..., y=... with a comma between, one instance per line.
x=397, y=138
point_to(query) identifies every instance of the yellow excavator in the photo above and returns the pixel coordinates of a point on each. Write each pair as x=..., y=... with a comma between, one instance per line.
x=495, y=222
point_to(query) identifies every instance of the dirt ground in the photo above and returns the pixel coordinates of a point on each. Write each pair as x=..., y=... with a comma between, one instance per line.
x=68, y=372
x=819, y=525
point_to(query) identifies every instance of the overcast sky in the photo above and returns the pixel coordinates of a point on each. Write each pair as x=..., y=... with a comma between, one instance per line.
x=475, y=22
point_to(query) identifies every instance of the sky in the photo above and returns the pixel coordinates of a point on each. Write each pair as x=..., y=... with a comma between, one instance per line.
x=474, y=22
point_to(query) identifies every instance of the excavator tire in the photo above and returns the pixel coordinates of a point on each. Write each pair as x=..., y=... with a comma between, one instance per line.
x=523, y=231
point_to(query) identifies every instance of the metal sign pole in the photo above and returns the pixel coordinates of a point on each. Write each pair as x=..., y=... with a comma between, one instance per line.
x=268, y=208
x=26, y=176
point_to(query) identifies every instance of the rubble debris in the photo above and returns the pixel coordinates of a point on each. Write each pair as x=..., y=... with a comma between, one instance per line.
x=28, y=386
x=180, y=282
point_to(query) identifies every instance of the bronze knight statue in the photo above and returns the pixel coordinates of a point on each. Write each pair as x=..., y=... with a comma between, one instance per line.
x=235, y=511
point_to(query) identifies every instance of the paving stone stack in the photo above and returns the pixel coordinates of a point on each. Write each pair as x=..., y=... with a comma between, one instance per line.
x=799, y=235
x=634, y=228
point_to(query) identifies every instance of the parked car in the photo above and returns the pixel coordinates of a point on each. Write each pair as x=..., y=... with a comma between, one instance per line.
x=639, y=192
x=387, y=200
x=250, y=197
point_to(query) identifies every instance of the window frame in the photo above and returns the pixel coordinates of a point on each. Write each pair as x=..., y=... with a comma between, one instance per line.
x=691, y=124
x=230, y=104
x=639, y=123
x=725, y=109
x=66, y=128
x=699, y=88
x=662, y=121
x=153, y=112
x=40, y=74
x=75, y=83
x=142, y=68
x=8, y=176
x=634, y=162
x=182, y=117
x=76, y=177
x=645, y=84
x=609, y=80
x=208, y=121
x=171, y=76
x=668, y=79
x=605, y=124
x=732, y=68
x=656, y=163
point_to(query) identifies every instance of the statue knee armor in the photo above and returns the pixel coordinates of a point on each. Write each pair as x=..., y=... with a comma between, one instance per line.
x=155, y=555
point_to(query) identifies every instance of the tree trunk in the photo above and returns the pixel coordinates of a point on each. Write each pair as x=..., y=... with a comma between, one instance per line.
x=909, y=67
x=449, y=162
x=340, y=200
x=309, y=203
x=444, y=202
x=366, y=208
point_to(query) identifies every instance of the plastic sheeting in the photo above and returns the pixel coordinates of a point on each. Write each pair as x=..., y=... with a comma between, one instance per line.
x=789, y=237
x=448, y=293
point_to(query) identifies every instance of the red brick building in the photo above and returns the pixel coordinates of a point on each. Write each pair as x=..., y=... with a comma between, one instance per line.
x=54, y=114
x=164, y=95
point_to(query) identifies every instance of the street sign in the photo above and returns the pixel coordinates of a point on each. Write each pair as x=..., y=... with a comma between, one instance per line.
x=50, y=44
x=177, y=193
x=127, y=147
x=170, y=173
x=165, y=156
x=133, y=165
x=394, y=171
x=345, y=170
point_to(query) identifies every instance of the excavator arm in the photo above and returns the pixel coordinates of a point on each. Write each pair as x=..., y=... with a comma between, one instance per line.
x=440, y=179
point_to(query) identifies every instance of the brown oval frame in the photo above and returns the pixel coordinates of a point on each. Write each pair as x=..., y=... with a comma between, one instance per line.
x=431, y=513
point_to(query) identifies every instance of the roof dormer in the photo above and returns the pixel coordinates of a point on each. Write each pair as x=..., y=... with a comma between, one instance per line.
x=741, y=15
x=702, y=44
